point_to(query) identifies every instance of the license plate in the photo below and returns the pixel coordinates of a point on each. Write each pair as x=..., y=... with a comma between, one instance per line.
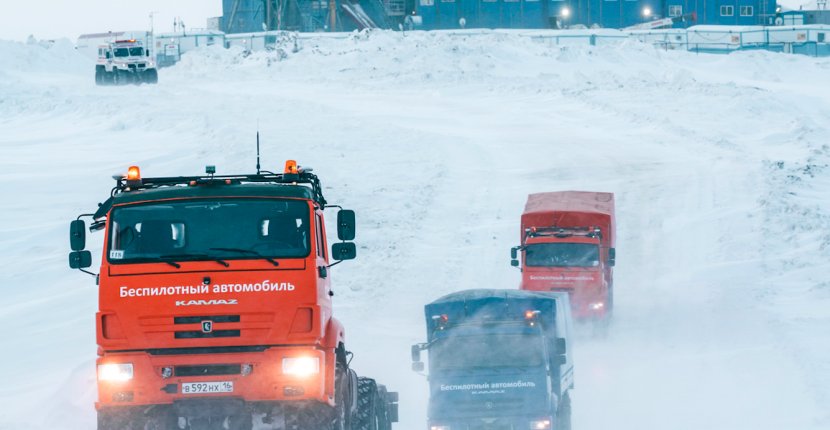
x=207, y=387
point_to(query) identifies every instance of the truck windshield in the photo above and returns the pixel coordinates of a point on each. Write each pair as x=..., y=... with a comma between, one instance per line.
x=562, y=255
x=127, y=52
x=487, y=351
x=209, y=229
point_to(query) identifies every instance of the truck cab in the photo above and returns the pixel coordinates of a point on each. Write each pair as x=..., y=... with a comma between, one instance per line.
x=215, y=304
x=567, y=244
x=498, y=359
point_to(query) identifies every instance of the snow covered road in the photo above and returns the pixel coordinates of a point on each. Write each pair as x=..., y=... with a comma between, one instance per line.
x=719, y=163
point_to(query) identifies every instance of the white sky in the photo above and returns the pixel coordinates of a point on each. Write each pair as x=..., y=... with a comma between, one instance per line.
x=53, y=19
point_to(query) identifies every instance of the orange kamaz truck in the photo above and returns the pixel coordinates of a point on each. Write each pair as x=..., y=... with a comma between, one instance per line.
x=215, y=307
x=567, y=244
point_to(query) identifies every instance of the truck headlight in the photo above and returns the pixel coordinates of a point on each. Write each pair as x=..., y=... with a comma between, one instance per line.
x=115, y=372
x=543, y=424
x=439, y=427
x=597, y=306
x=301, y=367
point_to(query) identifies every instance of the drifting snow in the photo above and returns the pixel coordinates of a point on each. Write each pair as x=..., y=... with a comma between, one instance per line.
x=719, y=163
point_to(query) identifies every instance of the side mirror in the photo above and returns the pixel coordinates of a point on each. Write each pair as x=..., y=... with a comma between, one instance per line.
x=416, y=353
x=80, y=259
x=612, y=256
x=345, y=224
x=344, y=251
x=418, y=366
x=560, y=346
x=77, y=235
x=559, y=360
x=514, y=263
x=514, y=252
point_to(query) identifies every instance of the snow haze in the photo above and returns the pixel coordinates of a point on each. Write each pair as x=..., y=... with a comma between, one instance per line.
x=720, y=165
x=54, y=19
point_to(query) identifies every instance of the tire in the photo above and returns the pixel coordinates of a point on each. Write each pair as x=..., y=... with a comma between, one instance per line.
x=367, y=405
x=563, y=415
x=151, y=76
x=123, y=77
x=99, y=76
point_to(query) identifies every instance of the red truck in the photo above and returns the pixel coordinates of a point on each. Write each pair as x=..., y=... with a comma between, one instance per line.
x=567, y=244
x=215, y=307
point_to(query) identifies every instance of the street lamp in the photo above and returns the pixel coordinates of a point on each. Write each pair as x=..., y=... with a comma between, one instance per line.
x=646, y=12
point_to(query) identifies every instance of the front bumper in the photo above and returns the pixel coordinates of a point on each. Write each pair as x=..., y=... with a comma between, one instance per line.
x=492, y=423
x=265, y=383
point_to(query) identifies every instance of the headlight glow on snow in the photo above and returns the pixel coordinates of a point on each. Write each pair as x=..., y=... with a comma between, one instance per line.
x=301, y=367
x=439, y=427
x=115, y=372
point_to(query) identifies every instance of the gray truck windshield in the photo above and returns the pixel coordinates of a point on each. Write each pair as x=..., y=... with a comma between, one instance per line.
x=201, y=229
x=487, y=351
x=126, y=52
x=562, y=255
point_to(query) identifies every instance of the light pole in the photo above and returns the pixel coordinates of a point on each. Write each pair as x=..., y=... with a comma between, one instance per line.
x=152, y=46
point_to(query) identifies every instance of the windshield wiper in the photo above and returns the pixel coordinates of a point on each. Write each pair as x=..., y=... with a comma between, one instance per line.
x=193, y=257
x=249, y=252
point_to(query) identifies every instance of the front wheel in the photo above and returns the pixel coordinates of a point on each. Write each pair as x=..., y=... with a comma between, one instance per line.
x=151, y=76
x=563, y=415
x=367, y=405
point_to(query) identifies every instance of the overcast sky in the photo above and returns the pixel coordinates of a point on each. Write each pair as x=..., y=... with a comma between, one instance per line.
x=53, y=19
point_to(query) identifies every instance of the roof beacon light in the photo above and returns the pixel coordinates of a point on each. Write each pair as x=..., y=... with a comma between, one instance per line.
x=291, y=168
x=133, y=173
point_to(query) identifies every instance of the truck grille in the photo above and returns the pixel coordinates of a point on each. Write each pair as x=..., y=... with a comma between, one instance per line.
x=208, y=370
x=216, y=319
x=199, y=334
x=202, y=335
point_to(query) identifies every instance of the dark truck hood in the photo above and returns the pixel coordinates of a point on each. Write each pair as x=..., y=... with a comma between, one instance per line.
x=484, y=393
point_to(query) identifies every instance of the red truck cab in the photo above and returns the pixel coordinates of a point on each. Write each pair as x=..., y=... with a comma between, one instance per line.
x=567, y=244
x=215, y=305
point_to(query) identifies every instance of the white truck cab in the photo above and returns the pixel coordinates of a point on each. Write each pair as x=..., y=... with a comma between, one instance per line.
x=125, y=62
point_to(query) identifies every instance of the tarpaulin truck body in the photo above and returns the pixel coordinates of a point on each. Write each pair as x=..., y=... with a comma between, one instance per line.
x=498, y=359
x=215, y=307
x=568, y=244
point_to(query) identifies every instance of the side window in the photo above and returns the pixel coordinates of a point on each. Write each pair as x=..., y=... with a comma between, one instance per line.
x=675, y=10
x=321, y=244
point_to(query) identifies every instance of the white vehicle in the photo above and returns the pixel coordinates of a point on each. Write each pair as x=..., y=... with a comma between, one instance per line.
x=125, y=62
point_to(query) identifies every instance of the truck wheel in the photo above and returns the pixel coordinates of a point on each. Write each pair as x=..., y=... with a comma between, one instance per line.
x=123, y=77
x=563, y=416
x=99, y=75
x=367, y=405
x=151, y=76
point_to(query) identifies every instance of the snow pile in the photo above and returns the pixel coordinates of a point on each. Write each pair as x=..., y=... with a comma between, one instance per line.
x=719, y=164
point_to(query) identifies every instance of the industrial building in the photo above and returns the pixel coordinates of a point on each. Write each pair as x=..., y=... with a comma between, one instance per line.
x=247, y=16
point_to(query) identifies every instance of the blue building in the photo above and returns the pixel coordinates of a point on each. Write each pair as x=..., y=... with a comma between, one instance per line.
x=450, y=14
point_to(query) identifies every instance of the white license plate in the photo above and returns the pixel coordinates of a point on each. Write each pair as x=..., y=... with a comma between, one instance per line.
x=207, y=387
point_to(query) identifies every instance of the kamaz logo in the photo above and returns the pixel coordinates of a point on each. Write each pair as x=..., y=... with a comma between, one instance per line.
x=206, y=302
x=207, y=326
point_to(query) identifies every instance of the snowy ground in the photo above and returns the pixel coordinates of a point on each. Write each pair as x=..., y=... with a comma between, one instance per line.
x=719, y=163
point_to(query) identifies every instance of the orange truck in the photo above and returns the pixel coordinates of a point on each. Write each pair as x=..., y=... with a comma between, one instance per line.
x=567, y=244
x=215, y=307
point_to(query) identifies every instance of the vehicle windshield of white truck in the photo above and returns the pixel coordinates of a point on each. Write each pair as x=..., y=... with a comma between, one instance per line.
x=487, y=351
x=226, y=229
x=562, y=255
x=129, y=52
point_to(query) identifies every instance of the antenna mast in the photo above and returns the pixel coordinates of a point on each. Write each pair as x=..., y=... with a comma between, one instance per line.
x=257, y=147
